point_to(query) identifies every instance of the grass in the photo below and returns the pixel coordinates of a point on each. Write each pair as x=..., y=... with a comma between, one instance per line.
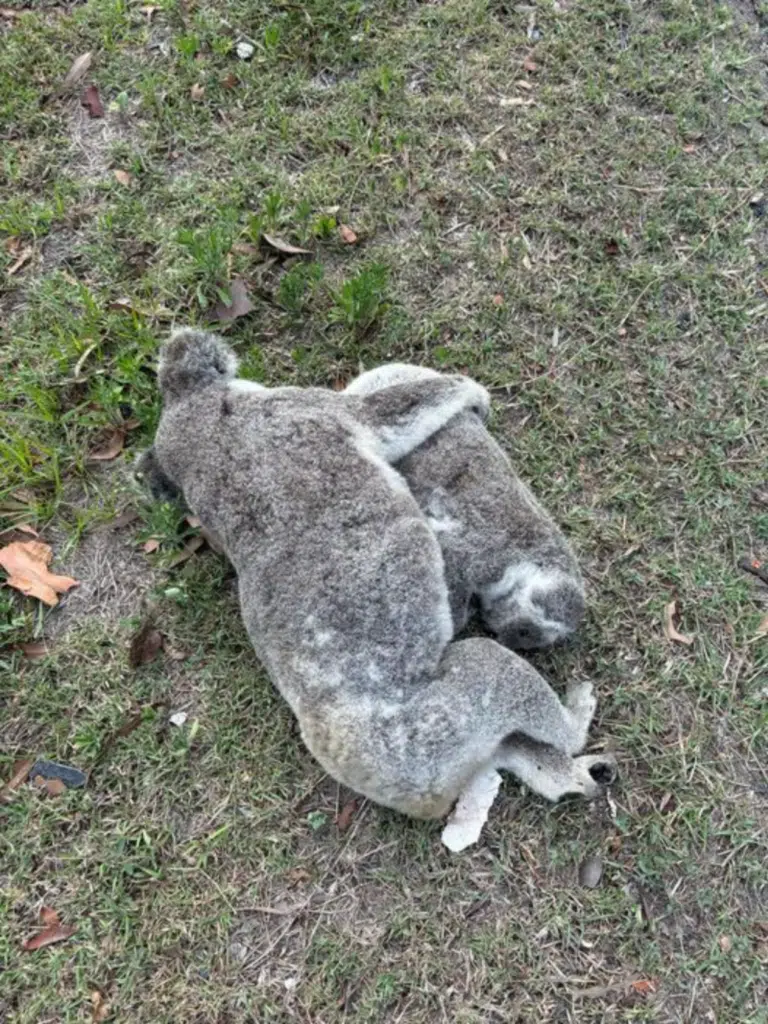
x=565, y=200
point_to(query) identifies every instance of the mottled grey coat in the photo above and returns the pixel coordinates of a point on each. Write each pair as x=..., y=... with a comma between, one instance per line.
x=498, y=543
x=342, y=587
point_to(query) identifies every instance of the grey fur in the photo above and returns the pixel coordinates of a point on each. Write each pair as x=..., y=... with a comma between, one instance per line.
x=498, y=543
x=341, y=579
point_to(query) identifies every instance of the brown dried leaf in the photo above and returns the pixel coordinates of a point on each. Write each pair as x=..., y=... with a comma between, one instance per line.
x=296, y=875
x=49, y=935
x=348, y=236
x=282, y=246
x=230, y=81
x=670, y=631
x=197, y=93
x=643, y=985
x=53, y=787
x=130, y=515
x=26, y=563
x=241, y=304
x=35, y=649
x=123, y=177
x=111, y=448
x=48, y=917
x=76, y=72
x=122, y=305
x=20, y=772
x=762, y=629
x=146, y=644
x=150, y=545
x=530, y=65
x=91, y=100
x=193, y=544
x=690, y=148
x=24, y=257
x=99, y=1006
x=245, y=249
x=345, y=815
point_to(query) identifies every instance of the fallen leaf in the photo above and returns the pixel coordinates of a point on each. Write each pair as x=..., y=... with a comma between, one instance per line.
x=48, y=917
x=296, y=875
x=150, y=545
x=78, y=70
x=35, y=649
x=21, y=771
x=690, y=148
x=131, y=424
x=498, y=300
x=53, y=931
x=514, y=101
x=53, y=787
x=611, y=247
x=9, y=13
x=530, y=65
x=670, y=632
x=212, y=541
x=26, y=528
x=130, y=724
x=25, y=257
x=471, y=811
x=282, y=246
x=762, y=629
x=345, y=815
x=149, y=10
x=146, y=644
x=122, y=306
x=176, y=654
x=124, y=519
x=725, y=943
x=591, y=871
x=91, y=100
x=111, y=448
x=245, y=249
x=26, y=563
x=123, y=177
x=348, y=236
x=99, y=1006
x=193, y=544
x=197, y=93
x=230, y=81
x=523, y=83
x=240, y=305
x=643, y=985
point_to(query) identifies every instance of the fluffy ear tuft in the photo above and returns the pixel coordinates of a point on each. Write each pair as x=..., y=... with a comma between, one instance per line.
x=191, y=360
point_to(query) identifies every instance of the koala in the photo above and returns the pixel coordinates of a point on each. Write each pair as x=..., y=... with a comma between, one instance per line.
x=499, y=545
x=342, y=588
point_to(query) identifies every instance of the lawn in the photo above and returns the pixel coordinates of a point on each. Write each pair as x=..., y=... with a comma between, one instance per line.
x=567, y=200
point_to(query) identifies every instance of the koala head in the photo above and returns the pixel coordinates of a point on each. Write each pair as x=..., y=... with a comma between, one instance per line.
x=533, y=607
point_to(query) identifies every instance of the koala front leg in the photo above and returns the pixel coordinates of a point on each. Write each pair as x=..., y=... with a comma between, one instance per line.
x=403, y=416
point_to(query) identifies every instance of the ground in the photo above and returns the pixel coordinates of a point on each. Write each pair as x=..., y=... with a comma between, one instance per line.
x=566, y=200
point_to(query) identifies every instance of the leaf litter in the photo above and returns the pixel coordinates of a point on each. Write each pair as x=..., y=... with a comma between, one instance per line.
x=240, y=303
x=146, y=644
x=26, y=563
x=91, y=100
x=52, y=931
x=671, y=615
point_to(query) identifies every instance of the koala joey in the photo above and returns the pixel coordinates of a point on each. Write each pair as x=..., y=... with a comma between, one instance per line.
x=498, y=543
x=342, y=587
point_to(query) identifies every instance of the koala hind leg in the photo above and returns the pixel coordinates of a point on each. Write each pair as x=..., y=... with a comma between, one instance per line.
x=553, y=774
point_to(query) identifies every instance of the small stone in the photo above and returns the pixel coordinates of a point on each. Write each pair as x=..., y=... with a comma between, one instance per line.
x=591, y=871
x=178, y=718
x=244, y=51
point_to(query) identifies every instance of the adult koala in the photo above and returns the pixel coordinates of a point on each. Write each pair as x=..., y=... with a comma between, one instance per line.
x=498, y=543
x=342, y=587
